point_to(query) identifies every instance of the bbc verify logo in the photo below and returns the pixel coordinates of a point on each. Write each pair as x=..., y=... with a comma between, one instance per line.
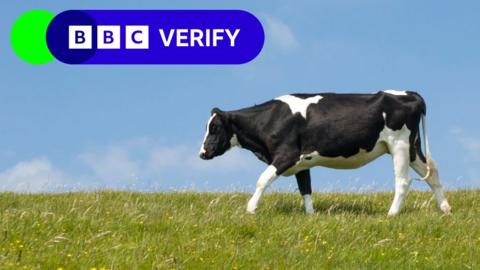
x=108, y=37
x=154, y=37
x=136, y=37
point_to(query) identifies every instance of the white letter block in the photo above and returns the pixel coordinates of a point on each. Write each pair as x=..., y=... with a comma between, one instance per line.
x=79, y=36
x=136, y=37
x=108, y=37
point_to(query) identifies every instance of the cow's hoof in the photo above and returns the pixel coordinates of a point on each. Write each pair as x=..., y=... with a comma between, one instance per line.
x=310, y=212
x=446, y=208
x=392, y=214
x=251, y=209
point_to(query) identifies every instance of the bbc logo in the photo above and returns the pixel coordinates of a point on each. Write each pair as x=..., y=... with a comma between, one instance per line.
x=108, y=37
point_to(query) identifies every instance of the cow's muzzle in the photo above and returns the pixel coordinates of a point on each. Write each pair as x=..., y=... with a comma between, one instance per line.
x=204, y=156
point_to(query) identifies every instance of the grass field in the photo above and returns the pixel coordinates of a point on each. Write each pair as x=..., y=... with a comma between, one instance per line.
x=123, y=230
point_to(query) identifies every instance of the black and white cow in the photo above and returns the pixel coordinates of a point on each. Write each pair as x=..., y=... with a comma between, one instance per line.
x=294, y=133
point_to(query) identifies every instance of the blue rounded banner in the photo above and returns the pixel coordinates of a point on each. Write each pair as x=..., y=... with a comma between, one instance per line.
x=155, y=37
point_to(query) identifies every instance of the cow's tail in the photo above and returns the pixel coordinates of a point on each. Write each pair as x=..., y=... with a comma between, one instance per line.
x=430, y=162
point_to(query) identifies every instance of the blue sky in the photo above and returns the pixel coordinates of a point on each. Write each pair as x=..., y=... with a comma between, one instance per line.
x=68, y=127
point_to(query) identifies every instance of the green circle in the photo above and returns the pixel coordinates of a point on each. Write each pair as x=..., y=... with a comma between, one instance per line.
x=29, y=36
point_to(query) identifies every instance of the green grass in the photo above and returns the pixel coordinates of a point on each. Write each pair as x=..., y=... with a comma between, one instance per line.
x=123, y=230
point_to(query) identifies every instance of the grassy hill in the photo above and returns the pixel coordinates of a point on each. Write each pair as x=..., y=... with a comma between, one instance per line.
x=123, y=230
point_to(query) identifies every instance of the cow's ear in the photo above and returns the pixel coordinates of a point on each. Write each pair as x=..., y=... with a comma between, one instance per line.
x=222, y=115
x=217, y=111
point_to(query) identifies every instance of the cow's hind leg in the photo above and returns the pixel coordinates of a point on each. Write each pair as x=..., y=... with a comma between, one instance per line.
x=401, y=158
x=265, y=179
x=305, y=187
x=433, y=181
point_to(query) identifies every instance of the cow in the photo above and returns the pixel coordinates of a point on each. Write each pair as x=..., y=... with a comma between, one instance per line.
x=293, y=133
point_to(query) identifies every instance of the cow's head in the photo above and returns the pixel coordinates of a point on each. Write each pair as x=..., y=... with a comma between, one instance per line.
x=218, y=135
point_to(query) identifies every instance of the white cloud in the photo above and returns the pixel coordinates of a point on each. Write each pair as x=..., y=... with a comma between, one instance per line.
x=36, y=175
x=471, y=144
x=112, y=165
x=279, y=34
x=138, y=161
x=164, y=157
x=133, y=164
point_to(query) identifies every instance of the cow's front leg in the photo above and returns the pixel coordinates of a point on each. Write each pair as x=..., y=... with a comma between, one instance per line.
x=266, y=178
x=283, y=161
x=401, y=155
x=305, y=186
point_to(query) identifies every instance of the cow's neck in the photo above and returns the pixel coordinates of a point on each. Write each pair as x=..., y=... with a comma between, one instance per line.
x=245, y=128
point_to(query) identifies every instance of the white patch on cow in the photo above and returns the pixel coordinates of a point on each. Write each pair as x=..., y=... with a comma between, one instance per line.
x=396, y=92
x=399, y=147
x=299, y=105
x=234, y=141
x=307, y=201
x=202, y=149
x=265, y=180
x=382, y=146
x=384, y=114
